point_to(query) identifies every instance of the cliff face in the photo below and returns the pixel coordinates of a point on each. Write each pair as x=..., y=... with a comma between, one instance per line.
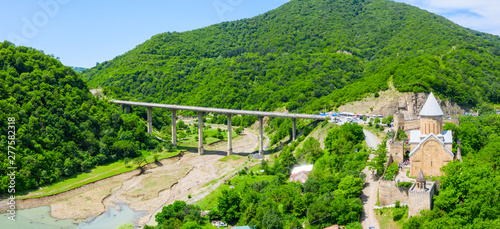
x=392, y=101
x=411, y=104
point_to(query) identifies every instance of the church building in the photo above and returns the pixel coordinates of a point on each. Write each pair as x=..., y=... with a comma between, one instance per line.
x=430, y=146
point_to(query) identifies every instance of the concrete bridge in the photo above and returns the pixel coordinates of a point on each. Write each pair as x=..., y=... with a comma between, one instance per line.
x=228, y=112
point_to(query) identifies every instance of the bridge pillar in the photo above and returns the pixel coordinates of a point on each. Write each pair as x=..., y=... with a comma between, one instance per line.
x=150, y=121
x=200, y=132
x=261, y=136
x=229, y=136
x=294, y=130
x=174, y=129
x=127, y=109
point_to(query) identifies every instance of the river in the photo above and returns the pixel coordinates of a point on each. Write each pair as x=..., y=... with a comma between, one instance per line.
x=39, y=218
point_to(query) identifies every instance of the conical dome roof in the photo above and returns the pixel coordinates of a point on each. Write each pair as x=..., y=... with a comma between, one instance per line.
x=420, y=177
x=431, y=107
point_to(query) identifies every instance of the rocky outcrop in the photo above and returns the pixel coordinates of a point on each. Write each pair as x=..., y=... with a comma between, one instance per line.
x=410, y=105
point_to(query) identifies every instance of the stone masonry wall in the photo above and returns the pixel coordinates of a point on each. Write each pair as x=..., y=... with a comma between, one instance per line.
x=397, y=151
x=389, y=193
x=420, y=199
x=412, y=124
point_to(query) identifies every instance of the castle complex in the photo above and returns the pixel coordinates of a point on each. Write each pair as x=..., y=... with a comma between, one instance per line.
x=428, y=149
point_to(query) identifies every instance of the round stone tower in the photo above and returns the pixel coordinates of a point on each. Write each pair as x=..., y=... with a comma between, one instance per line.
x=431, y=117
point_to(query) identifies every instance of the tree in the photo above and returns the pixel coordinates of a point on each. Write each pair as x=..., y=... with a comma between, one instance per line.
x=312, y=150
x=174, y=210
x=272, y=220
x=380, y=158
x=402, y=135
x=191, y=225
x=350, y=187
x=140, y=162
x=229, y=205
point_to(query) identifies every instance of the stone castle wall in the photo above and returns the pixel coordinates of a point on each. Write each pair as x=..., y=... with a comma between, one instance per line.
x=411, y=124
x=389, y=193
x=420, y=199
x=396, y=149
x=415, y=124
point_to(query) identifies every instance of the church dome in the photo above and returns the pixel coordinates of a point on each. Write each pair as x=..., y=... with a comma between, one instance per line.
x=431, y=107
x=420, y=177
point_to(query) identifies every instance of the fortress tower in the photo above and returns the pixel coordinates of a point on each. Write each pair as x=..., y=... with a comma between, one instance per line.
x=420, y=195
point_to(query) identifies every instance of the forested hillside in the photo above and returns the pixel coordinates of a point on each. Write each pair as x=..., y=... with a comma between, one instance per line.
x=60, y=128
x=307, y=54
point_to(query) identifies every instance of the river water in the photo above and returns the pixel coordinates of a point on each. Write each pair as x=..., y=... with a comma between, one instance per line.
x=39, y=218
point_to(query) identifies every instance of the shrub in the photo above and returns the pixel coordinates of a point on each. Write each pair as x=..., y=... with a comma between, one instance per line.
x=405, y=184
x=391, y=171
x=398, y=214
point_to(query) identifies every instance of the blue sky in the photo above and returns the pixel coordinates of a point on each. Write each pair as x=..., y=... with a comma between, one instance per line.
x=83, y=32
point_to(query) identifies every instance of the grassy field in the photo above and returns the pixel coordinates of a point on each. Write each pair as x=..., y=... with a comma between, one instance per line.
x=385, y=217
x=98, y=173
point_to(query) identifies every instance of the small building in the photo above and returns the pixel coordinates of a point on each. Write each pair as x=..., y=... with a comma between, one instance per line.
x=300, y=173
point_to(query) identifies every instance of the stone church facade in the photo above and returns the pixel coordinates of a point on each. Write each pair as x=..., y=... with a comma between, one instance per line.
x=430, y=146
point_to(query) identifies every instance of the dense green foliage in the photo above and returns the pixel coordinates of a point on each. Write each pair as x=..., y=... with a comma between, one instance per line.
x=377, y=163
x=470, y=194
x=179, y=214
x=60, y=128
x=307, y=54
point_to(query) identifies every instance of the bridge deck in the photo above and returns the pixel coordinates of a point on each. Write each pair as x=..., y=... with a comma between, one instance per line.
x=220, y=110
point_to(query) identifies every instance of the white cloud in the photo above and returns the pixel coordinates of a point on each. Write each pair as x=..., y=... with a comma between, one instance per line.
x=481, y=15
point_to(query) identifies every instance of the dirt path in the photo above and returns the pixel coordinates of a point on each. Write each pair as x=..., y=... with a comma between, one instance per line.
x=163, y=183
x=369, y=194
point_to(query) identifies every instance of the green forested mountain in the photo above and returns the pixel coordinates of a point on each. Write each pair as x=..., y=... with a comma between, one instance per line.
x=60, y=128
x=307, y=54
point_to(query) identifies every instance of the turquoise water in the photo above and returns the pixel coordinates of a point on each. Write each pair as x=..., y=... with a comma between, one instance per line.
x=113, y=218
x=39, y=218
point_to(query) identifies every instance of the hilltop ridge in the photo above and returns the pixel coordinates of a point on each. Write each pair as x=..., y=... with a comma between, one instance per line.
x=306, y=54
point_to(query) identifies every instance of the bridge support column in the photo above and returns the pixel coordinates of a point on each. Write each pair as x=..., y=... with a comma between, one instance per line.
x=200, y=133
x=150, y=121
x=261, y=136
x=127, y=109
x=174, y=129
x=229, y=136
x=294, y=130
